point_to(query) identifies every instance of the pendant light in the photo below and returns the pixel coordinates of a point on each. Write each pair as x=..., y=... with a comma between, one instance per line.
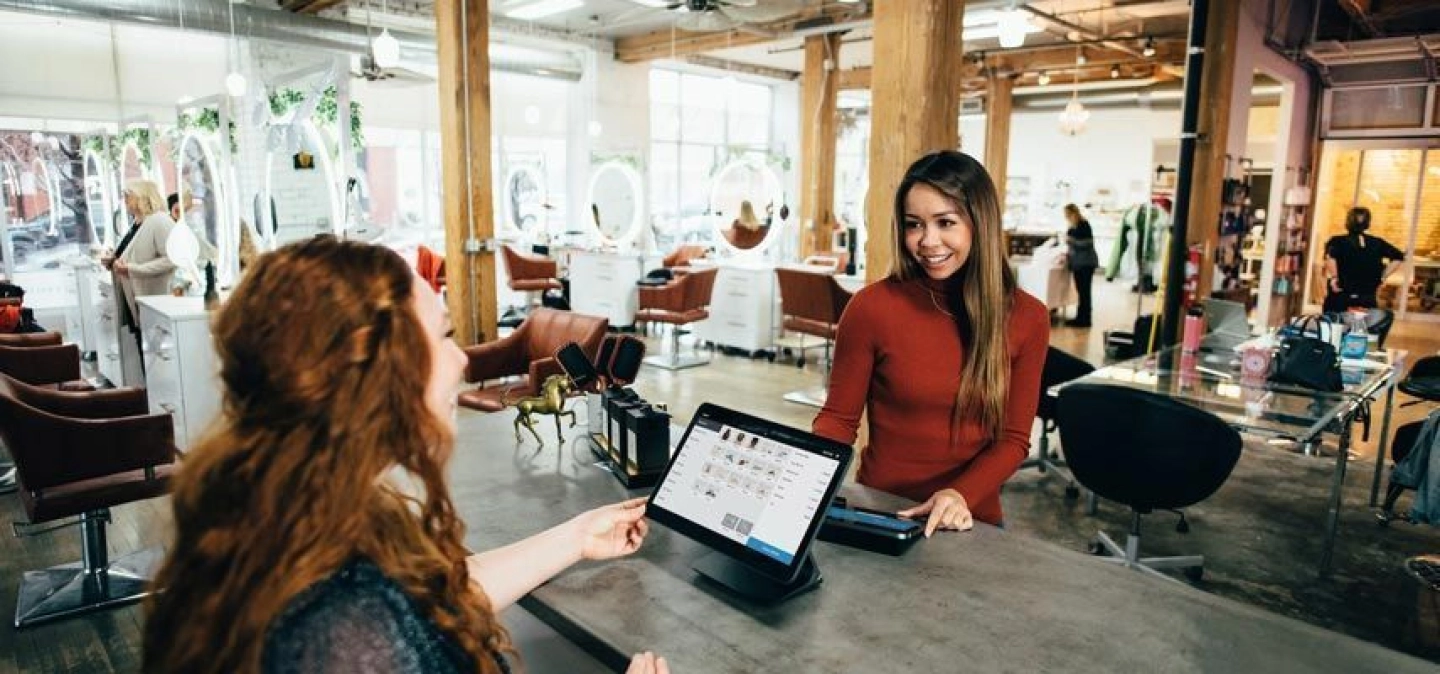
x=1073, y=119
x=385, y=49
x=235, y=83
x=1011, y=27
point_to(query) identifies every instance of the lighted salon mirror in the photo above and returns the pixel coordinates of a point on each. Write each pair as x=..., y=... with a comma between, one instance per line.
x=16, y=246
x=100, y=199
x=305, y=197
x=203, y=206
x=524, y=201
x=616, y=200
x=745, y=202
x=131, y=166
x=38, y=185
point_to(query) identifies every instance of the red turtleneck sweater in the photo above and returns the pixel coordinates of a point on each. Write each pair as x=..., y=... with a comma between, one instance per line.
x=899, y=357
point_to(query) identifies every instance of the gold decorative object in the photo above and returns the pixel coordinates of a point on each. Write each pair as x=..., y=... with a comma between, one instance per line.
x=550, y=401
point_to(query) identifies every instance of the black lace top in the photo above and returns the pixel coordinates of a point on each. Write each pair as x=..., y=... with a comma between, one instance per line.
x=359, y=621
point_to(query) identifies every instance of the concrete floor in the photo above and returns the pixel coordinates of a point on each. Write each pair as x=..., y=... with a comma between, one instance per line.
x=1260, y=534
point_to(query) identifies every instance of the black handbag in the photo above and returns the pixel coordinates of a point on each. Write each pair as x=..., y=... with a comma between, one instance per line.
x=1310, y=362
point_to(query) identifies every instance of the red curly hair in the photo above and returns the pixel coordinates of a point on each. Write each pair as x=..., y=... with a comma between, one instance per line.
x=324, y=363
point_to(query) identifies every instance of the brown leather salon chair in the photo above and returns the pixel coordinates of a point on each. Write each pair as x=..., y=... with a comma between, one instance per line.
x=682, y=256
x=78, y=454
x=37, y=358
x=40, y=358
x=530, y=274
x=528, y=351
x=680, y=302
x=811, y=304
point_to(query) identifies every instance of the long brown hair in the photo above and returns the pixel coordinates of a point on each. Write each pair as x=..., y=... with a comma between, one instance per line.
x=325, y=364
x=981, y=293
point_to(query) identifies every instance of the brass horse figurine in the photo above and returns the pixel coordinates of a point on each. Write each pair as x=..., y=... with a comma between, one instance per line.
x=550, y=401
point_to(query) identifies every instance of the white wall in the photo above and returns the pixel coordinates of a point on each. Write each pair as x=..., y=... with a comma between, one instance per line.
x=66, y=70
x=1113, y=153
x=1291, y=145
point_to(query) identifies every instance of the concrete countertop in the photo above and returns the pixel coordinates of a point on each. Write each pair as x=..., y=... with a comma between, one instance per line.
x=985, y=600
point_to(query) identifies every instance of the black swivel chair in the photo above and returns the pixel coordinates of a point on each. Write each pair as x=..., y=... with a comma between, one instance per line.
x=1060, y=367
x=1146, y=451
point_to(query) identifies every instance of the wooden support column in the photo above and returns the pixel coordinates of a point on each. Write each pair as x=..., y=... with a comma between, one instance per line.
x=999, y=102
x=819, y=85
x=463, y=37
x=1216, y=82
x=915, y=108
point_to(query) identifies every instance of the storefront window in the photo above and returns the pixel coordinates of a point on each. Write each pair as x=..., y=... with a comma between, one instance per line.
x=697, y=124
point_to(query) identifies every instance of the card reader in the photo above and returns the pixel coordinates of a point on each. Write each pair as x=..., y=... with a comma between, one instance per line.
x=871, y=530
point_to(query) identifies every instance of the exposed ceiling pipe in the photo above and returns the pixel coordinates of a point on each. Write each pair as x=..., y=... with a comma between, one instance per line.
x=213, y=16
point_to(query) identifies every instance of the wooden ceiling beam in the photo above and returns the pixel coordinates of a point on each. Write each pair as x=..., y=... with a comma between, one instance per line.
x=680, y=43
x=1063, y=56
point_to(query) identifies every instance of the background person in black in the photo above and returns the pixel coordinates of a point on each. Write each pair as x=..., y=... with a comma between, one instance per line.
x=1356, y=264
x=1080, y=240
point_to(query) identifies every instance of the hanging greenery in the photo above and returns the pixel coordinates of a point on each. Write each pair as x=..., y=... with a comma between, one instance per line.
x=740, y=152
x=208, y=120
x=112, y=154
x=326, y=111
x=633, y=161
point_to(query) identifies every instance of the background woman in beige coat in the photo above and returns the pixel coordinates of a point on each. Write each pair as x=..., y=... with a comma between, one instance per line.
x=139, y=263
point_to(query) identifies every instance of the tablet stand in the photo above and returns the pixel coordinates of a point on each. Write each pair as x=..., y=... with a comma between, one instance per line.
x=746, y=582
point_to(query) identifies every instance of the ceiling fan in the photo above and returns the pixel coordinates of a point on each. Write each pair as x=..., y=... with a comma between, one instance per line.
x=716, y=15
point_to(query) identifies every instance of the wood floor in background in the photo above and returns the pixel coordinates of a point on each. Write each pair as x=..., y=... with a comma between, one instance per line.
x=1259, y=534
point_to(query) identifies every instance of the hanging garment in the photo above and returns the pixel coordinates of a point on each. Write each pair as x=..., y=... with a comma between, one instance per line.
x=1145, y=220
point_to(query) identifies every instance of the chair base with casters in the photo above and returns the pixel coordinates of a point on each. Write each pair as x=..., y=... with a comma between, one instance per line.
x=679, y=302
x=674, y=360
x=815, y=396
x=1129, y=555
x=1047, y=461
x=1060, y=367
x=95, y=583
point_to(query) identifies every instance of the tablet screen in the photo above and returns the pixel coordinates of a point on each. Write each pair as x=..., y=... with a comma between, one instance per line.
x=756, y=486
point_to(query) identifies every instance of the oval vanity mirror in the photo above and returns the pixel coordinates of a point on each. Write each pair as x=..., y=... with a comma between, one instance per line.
x=616, y=203
x=203, y=208
x=524, y=201
x=43, y=195
x=99, y=199
x=18, y=245
x=304, y=196
x=131, y=166
x=745, y=200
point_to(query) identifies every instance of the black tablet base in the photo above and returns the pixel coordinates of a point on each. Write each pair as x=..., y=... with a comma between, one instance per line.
x=753, y=585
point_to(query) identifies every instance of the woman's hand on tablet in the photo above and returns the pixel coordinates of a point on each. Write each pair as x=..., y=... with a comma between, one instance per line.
x=945, y=509
x=611, y=531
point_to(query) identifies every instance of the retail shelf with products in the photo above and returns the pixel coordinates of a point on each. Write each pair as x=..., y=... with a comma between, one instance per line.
x=1287, y=291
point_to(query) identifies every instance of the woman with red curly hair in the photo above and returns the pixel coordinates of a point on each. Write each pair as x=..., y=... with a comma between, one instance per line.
x=297, y=549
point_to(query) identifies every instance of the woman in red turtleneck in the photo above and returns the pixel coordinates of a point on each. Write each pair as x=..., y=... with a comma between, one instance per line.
x=945, y=353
